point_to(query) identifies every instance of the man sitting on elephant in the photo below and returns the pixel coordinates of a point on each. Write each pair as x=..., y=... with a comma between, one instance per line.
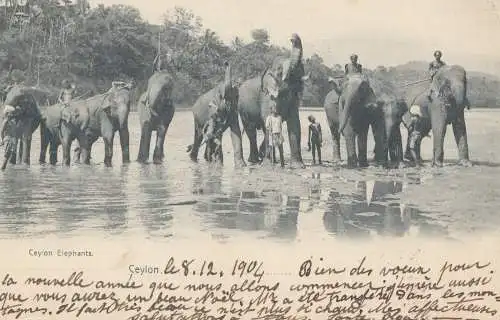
x=434, y=66
x=67, y=93
x=354, y=66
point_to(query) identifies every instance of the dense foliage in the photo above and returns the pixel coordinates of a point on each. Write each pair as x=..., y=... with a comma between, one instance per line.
x=45, y=41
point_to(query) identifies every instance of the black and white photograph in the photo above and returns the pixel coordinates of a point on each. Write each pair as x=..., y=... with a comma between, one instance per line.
x=249, y=160
x=249, y=119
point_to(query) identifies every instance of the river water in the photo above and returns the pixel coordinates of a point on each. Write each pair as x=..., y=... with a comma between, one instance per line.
x=181, y=199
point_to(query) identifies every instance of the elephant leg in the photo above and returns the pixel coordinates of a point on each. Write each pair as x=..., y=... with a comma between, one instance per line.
x=460, y=132
x=53, y=152
x=161, y=131
x=77, y=152
x=26, y=152
x=20, y=149
x=362, y=138
x=396, y=147
x=381, y=133
x=145, y=142
x=294, y=136
x=198, y=137
x=251, y=132
x=218, y=154
x=236, y=141
x=350, y=145
x=124, y=143
x=85, y=149
x=335, y=143
x=66, y=151
x=207, y=154
x=108, y=149
x=9, y=150
x=407, y=154
x=14, y=151
x=438, y=120
x=44, y=143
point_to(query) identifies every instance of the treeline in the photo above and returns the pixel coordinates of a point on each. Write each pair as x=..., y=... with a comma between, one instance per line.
x=43, y=42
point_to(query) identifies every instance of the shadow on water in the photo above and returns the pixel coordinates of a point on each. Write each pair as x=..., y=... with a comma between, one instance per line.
x=270, y=212
x=16, y=215
x=374, y=209
x=152, y=208
x=84, y=202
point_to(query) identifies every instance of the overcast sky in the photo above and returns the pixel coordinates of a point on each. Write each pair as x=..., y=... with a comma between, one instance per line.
x=382, y=32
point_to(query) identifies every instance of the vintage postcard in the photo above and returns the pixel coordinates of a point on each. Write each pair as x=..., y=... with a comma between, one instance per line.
x=262, y=159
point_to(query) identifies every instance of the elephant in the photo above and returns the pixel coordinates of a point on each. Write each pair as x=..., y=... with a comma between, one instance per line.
x=445, y=104
x=259, y=94
x=156, y=111
x=50, y=134
x=213, y=113
x=362, y=103
x=20, y=129
x=87, y=120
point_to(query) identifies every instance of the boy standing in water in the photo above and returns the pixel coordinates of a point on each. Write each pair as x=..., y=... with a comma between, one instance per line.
x=274, y=129
x=315, y=138
x=415, y=132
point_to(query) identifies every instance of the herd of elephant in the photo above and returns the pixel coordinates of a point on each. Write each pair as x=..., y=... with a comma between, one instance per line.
x=350, y=111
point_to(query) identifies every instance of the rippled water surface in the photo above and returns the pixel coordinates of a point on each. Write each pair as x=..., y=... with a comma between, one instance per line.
x=186, y=200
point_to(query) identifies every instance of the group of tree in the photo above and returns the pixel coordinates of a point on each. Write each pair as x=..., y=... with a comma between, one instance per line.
x=43, y=42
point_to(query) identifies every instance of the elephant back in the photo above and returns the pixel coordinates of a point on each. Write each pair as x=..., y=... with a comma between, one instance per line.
x=52, y=115
x=75, y=114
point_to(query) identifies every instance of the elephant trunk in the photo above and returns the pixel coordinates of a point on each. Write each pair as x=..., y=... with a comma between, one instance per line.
x=458, y=90
x=352, y=95
x=228, y=77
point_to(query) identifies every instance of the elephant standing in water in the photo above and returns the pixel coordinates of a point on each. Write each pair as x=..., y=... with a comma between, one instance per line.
x=156, y=111
x=363, y=103
x=21, y=126
x=280, y=85
x=86, y=121
x=213, y=113
x=445, y=105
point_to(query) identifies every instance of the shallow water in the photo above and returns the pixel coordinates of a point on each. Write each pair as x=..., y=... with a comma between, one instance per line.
x=182, y=199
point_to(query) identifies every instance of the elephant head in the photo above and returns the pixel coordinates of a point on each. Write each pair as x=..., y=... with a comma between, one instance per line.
x=159, y=92
x=449, y=87
x=223, y=104
x=24, y=103
x=118, y=97
x=356, y=92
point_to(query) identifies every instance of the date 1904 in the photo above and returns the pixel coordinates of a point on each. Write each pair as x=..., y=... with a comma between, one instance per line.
x=193, y=267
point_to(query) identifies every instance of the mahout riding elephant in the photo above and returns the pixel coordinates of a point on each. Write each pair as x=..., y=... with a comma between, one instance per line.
x=156, y=111
x=22, y=124
x=444, y=106
x=361, y=103
x=214, y=112
x=99, y=116
x=279, y=85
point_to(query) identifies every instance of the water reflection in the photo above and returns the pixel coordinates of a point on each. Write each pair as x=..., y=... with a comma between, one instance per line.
x=373, y=210
x=271, y=212
x=152, y=205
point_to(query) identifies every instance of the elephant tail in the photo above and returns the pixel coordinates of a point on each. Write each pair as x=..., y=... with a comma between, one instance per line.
x=189, y=148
